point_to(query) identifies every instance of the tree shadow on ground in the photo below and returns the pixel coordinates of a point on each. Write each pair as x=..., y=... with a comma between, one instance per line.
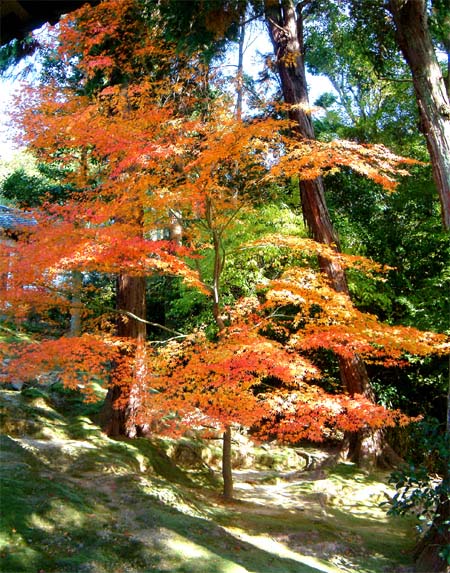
x=55, y=524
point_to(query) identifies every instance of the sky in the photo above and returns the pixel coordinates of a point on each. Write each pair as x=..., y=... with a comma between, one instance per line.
x=7, y=147
x=4, y=127
x=257, y=43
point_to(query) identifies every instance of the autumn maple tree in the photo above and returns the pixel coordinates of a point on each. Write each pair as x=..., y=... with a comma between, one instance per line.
x=143, y=142
x=107, y=124
x=259, y=372
x=285, y=21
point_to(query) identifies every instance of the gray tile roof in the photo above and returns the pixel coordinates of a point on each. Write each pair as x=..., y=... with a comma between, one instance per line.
x=13, y=219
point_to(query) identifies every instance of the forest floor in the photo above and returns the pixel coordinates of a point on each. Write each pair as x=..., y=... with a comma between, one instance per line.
x=76, y=501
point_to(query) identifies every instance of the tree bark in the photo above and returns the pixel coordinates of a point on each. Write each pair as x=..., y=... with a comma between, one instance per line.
x=414, y=39
x=219, y=261
x=286, y=32
x=240, y=70
x=122, y=401
x=285, y=25
x=433, y=100
x=227, y=473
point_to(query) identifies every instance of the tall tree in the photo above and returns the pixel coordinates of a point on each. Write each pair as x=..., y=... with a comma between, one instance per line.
x=117, y=120
x=285, y=23
x=433, y=100
x=139, y=141
x=372, y=94
x=225, y=169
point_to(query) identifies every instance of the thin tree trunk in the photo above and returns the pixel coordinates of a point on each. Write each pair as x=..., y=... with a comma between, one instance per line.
x=75, y=306
x=227, y=473
x=285, y=24
x=219, y=263
x=414, y=39
x=240, y=71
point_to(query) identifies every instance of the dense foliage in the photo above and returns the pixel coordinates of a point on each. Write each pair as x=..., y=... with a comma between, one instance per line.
x=167, y=259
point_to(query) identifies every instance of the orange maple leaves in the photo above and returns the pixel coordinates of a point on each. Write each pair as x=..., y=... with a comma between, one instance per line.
x=246, y=379
x=328, y=319
x=311, y=159
x=134, y=144
x=78, y=361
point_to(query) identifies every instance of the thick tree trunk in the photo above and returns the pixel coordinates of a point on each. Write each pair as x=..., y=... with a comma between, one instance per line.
x=285, y=24
x=318, y=222
x=414, y=40
x=433, y=100
x=286, y=32
x=122, y=402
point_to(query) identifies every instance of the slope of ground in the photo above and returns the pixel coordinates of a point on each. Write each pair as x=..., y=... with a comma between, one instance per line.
x=75, y=501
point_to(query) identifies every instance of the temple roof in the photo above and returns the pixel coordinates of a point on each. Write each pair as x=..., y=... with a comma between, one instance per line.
x=12, y=219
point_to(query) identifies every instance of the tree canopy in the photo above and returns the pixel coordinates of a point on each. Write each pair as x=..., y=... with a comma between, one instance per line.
x=160, y=223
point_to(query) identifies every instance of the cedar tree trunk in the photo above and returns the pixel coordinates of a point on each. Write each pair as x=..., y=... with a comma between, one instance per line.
x=285, y=25
x=433, y=100
x=227, y=474
x=414, y=39
x=122, y=401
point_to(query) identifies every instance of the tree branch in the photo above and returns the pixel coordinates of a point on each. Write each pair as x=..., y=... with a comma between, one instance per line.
x=139, y=319
x=155, y=342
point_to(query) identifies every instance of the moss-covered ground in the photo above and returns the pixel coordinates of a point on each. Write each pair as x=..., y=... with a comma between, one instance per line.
x=73, y=500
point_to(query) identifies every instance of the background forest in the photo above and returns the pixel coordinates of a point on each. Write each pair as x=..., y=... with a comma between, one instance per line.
x=192, y=250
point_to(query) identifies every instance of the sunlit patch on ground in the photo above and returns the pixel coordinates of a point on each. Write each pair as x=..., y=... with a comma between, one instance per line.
x=74, y=500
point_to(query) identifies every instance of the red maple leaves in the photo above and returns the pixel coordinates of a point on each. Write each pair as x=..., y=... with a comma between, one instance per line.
x=135, y=144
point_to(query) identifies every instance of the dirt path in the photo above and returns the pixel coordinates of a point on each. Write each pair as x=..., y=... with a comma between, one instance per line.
x=303, y=506
x=274, y=491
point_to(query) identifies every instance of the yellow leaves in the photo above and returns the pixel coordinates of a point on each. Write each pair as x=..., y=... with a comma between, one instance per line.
x=290, y=59
x=309, y=248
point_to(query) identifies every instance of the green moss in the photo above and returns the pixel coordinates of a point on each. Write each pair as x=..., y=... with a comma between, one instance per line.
x=76, y=501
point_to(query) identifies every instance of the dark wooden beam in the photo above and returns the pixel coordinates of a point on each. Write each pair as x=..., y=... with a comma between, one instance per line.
x=20, y=17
